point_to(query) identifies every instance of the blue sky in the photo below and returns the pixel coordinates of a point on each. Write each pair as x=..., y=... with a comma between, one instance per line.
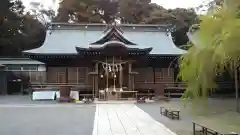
x=165, y=3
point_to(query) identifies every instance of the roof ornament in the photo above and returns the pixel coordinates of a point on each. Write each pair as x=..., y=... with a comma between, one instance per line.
x=113, y=25
x=168, y=31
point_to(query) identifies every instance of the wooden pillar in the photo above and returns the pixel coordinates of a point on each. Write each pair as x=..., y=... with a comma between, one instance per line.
x=133, y=86
x=96, y=81
x=129, y=76
x=93, y=84
x=66, y=75
x=106, y=75
x=65, y=90
x=114, y=79
x=77, y=75
x=120, y=74
x=154, y=76
x=86, y=76
x=175, y=71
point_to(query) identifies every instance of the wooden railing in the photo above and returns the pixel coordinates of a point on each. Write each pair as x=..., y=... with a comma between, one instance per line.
x=184, y=85
x=175, y=85
x=177, y=89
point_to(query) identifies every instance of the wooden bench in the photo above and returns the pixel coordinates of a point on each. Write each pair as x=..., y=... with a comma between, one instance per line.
x=162, y=110
x=212, y=129
x=171, y=113
x=177, y=91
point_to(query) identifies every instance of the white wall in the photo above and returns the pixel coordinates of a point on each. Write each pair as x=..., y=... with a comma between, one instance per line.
x=41, y=68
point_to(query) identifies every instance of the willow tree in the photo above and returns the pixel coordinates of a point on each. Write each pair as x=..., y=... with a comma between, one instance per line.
x=216, y=50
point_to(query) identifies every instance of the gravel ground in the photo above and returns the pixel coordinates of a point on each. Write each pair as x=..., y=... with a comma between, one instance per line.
x=180, y=127
x=21, y=116
x=215, y=109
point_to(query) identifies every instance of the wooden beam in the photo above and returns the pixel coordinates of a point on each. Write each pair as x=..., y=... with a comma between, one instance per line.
x=154, y=75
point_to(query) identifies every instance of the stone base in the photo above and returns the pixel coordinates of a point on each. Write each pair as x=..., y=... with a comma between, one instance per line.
x=65, y=100
x=141, y=101
x=159, y=98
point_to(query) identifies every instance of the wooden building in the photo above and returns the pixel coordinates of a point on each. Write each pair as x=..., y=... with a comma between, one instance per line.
x=110, y=61
x=17, y=73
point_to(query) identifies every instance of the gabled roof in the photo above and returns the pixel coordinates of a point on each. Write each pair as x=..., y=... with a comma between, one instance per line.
x=116, y=44
x=63, y=38
x=113, y=34
x=114, y=38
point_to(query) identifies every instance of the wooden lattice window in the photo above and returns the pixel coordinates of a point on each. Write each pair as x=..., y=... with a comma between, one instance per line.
x=82, y=75
x=164, y=74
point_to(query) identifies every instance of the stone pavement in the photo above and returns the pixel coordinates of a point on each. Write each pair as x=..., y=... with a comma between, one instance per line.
x=120, y=102
x=46, y=119
x=126, y=119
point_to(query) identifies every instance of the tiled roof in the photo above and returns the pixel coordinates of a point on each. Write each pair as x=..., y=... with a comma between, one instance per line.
x=19, y=61
x=117, y=42
x=64, y=38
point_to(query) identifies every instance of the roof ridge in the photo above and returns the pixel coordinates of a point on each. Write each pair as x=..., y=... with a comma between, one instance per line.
x=14, y=58
x=103, y=24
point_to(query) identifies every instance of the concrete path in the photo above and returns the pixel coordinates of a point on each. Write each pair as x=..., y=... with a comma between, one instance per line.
x=126, y=119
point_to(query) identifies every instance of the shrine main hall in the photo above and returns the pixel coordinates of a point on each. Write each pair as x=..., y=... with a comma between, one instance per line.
x=109, y=62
